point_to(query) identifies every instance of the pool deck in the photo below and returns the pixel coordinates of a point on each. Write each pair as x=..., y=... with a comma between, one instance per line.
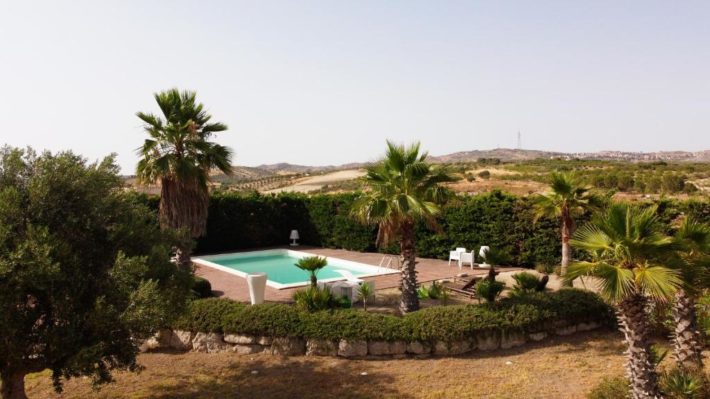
x=234, y=287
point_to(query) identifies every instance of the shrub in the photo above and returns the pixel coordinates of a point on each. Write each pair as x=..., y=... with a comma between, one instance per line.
x=611, y=388
x=423, y=292
x=313, y=299
x=531, y=313
x=526, y=282
x=344, y=302
x=489, y=290
x=201, y=287
x=484, y=174
x=680, y=384
x=434, y=291
x=545, y=268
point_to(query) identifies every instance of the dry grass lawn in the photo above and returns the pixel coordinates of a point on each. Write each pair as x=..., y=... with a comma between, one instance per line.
x=558, y=368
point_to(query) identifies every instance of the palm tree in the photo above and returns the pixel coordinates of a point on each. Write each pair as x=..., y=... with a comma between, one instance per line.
x=179, y=156
x=312, y=265
x=402, y=189
x=565, y=200
x=692, y=256
x=625, y=244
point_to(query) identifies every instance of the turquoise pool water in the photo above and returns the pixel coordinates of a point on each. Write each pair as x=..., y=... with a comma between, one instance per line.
x=279, y=268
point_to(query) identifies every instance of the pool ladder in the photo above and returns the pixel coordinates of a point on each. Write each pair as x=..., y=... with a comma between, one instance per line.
x=386, y=262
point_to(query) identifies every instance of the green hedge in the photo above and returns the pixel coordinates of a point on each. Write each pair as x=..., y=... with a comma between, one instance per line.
x=497, y=219
x=529, y=313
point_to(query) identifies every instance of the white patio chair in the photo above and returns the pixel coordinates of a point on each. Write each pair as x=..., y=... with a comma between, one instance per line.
x=456, y=255
x=466, y=257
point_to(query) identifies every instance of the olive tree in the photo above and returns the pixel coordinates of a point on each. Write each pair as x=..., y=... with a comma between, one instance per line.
x=85, y=272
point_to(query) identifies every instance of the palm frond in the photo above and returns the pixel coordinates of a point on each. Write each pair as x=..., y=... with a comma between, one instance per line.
x=616, y=282
x=657, y=281
x=402, y=187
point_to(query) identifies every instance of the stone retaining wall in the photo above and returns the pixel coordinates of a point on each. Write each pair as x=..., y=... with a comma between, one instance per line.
x=294, y=346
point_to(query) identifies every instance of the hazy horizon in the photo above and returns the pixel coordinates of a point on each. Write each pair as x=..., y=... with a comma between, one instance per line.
x=323, y=83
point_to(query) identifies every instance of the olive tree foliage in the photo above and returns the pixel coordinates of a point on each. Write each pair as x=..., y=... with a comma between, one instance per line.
x=85, y=271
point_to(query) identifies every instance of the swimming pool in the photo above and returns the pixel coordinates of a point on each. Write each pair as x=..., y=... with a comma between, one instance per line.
x=278, y=264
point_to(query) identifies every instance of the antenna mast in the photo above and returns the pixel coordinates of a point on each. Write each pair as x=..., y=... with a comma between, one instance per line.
x=520, y=141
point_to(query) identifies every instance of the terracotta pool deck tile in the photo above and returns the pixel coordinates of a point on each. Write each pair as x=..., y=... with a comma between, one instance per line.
x=234, y=287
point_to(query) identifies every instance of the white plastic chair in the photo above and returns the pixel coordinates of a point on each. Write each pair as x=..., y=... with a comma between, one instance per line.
x=456, y=255
x=466, y=257
x=349, y=276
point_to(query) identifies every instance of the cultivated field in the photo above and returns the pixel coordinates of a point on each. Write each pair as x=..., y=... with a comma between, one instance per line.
x=315, y=183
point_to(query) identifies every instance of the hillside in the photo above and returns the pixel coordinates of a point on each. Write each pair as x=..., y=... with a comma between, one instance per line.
x=510, y=155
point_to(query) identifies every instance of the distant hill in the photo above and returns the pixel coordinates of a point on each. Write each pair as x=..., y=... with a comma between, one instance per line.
x=510, y=155
x=504, y=154
x=287, y=168
x=246, y=172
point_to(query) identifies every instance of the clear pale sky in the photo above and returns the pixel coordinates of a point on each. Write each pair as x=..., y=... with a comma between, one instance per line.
x=325, y=82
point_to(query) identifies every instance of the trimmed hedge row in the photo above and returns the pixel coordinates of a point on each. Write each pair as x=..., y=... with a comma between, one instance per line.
x=496, y=219
x=530, y=313
x=500, y=220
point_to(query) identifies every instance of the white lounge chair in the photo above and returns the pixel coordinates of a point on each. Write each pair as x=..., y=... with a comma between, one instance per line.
x=456, y=255
x=349, y=276
x=351, y=286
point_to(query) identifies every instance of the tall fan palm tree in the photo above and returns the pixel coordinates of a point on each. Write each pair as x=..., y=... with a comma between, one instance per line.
x=625, y=244
x=565, y=199
x=693, y=259
x=402, y=189
x=179, y=156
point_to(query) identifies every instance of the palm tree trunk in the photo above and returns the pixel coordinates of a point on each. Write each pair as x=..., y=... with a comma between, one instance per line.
x=566, y=230
x=12, y=386
x=640, y=369
x=410, y=300
x=184, y=205
x=687, y=341
x=314, y=280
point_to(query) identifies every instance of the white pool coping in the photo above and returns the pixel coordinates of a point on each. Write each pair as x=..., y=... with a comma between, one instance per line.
x=371, y=270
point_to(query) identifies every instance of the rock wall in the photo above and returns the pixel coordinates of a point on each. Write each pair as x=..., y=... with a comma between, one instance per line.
x=296, y=346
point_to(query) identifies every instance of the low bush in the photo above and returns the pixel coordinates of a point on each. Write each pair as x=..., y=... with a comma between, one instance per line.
x=531, y=313
x=201, y=287
x=313, y=299
x=680, y=384
x=611, y=388
x=489, y=290
x=526, y=282
x=434, y=291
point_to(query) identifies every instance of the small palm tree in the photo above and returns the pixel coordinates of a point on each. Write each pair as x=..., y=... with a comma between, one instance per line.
x=692, y=256
x=365, y=292
x=179, y=156
x=401, y=190
x=565, y=200
x=312, y=265
x=625, y=244
x=495, y=257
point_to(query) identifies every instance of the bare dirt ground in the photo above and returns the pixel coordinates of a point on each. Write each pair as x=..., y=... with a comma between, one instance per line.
x=560, y=368
x=308, y=184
